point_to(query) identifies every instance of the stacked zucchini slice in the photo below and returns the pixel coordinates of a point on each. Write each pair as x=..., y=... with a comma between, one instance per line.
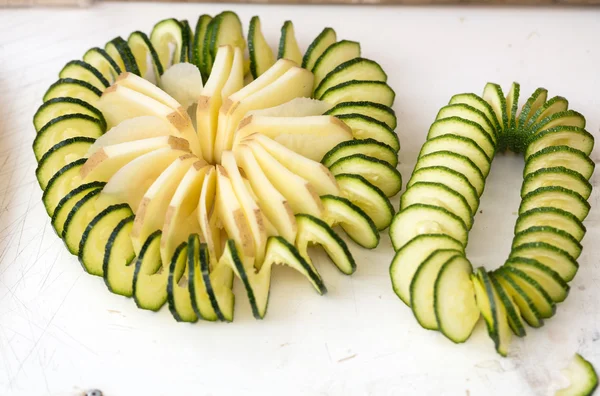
x=430, y=272
x=167, y=210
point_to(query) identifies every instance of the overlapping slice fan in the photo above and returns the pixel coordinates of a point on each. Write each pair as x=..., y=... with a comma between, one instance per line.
x=195, y=183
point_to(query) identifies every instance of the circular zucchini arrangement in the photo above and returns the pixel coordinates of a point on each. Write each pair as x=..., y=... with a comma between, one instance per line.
x=430, y=271
x=173, y=162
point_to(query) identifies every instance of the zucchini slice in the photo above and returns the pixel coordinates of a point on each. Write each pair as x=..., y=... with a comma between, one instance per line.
x=99, y=58
x=360, y=69
x=314, y=51
x=369, y=147
x=569, y=118
x=82, y=213
x=63, y=128
x=64, y=206
x=527, y=308
x=199, y=37
x=493, y=311
x=212, y=297
x=478, y=103
x=367, y=197
x=426, y=219
x=535, y=101
x=365, y=127
x=83, y=71
x=261, y=55
x=456, y=162
x=60, y=155
x=57, y=107
x=70, y=87
x=422, y=287
x=469, y=113
x=512, y=309
x=546, y=277
x=551, y=256
x=374, y=110
x=188, y=36
x=118, y=263
x=409, y=258
x=465, y=128
x=554, y=156
x=333, y=56
x=454, y=300
x=257, y=284
x=150, y=277
x=63, y=181
x=554, y=105
x=492, y=93
x=145, y=56
x=179, y=298
x=168, y=39
x=574, y=137
x=312, y=230
x=512, y=107
x=360, y=90
x=582, y=377
x=438, y=194
x=459, y=145
x=357, y=225
x=550, y=235
x=556, y=197
x=227, y=30
x=119, y=50
x=379, y=173
x=451, y=179
x=224, y=29
x=551, y=217
x=557, y=176
x=288, y=46
x=94, y=240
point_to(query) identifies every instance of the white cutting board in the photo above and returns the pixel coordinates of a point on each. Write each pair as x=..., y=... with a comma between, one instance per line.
x=62, y=332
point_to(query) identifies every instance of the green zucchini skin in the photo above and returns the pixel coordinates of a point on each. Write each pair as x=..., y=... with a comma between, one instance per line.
x=106, y=263
x=76, y=105
x=548, y=230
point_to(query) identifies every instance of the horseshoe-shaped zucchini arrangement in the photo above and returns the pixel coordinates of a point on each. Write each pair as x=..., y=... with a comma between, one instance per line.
x=172, y=162
x=430, y=271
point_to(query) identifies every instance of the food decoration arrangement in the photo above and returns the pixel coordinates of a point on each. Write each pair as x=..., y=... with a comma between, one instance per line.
x=173, y=162
x=430, y=271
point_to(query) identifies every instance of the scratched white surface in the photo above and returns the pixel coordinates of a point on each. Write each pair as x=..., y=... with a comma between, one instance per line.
x=62, y=332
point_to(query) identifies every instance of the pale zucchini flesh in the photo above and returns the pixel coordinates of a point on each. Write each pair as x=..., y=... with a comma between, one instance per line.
x=367, y=197
x=426, y=219
x=360, y=90
x=374, y=110
x=353, y=220
x=357, y=69
x=95, y=238
x=422, y=287
x=118, y=263
x=312, y=230
x=409, y=257
x=369, y=147
x=439, y=195
x=377, y=172
x=451, y=179
x=57, y=107
x=365, y=127
x=454, y=300
x=83, y=71
x=63, y=181
x=582, y=377
x=326, y=38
